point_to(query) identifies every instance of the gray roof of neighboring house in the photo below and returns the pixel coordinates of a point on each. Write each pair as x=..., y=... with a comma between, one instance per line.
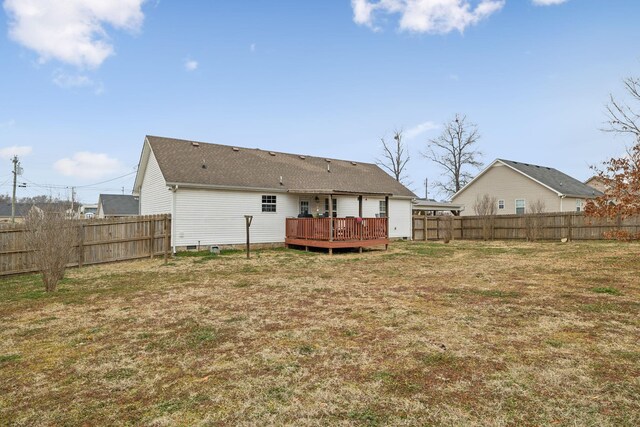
x=554, y=179
x=214, y=165
x=119, y=204
x=22, y=209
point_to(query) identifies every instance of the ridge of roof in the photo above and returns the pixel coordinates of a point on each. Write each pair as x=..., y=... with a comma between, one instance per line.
x=307, y=156
x=553, y=178
x=204, y=164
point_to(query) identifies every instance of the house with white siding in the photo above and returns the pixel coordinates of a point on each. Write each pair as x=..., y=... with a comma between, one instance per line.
x=516, y=186
x=294, y=199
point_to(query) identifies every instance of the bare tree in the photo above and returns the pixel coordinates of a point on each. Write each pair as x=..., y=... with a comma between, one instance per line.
x=622, y=118
x=52, y=237
x=454, y=151
x=395, y=157
x=533, y=220
x=486, y=207
x=621, y=176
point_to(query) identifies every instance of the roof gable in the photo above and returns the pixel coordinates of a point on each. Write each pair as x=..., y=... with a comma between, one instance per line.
x=118, y=204
x=214, y=165
x=550, y=178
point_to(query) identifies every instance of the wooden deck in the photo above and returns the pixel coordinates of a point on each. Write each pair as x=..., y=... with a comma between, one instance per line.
x=332, y=233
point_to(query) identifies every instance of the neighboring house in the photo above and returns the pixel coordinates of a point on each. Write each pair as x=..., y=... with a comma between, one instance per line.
x=516, y=186
x=117, y=205
x=431, y=207
x=596, y=182
x=22, y=209
x=209, y=188
x=89, y=211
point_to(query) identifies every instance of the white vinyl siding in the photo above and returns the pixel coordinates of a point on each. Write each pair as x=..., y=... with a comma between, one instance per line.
x=400, y=218
x=217, y=217
x=155, y=197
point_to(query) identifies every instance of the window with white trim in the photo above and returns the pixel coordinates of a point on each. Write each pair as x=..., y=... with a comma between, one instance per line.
x=520, y=206
x=383, y=209
x=500, y=204
x=268, y=203
x=335, y=207
x=304, y=207
x=578, y=205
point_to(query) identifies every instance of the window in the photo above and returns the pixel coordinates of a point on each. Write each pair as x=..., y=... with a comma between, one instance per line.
x=304, y=207
x=520, y=206
x=383, y=209
x=268, y=203
x=500, y=204
x=335, y=207
x=578, y=205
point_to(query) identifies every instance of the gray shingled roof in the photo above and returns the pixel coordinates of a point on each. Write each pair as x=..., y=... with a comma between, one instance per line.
x=119, y=204
x=189, y=162
x=553, y=178
x=22, y=209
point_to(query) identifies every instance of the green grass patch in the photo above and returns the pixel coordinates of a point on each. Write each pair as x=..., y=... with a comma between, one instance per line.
x=606, y=290
x=8, y=358
x=366, y=417
x=306, y=350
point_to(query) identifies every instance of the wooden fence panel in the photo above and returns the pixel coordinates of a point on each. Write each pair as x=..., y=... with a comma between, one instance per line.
x=548, y=226
x=99, y=241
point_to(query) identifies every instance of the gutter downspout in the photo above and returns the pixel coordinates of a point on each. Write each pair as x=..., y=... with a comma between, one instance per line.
x=173, y=218
x=562, y=196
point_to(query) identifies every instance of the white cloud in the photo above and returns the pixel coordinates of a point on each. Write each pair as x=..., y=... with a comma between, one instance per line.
x=9, y=152
x=427, y=16
x=74, y=81
x=547, y=2
x=85, y=164
x=71, y=31
x=252, y=48
x=190, y=65
x=420, y=129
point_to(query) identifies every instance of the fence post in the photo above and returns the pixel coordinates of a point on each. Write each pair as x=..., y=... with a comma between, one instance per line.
x=437, y=228
x=152, y=237
x=425, y=227
x=570, y=227
x=461, y=228
x=166, y=238
x=81, y=245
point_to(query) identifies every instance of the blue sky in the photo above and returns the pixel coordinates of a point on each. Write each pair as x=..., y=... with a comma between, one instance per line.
x=81, y=85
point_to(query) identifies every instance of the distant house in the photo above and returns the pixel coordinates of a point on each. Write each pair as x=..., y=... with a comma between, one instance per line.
x=431, y=207
x=294, y=199
x=117, y=205
x=517, y=185
x=21, y=210
x=89, y=211
x=596, y=182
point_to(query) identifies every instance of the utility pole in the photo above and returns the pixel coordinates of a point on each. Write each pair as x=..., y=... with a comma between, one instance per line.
x=73, y=200
x=426, y=188
x=17, y=170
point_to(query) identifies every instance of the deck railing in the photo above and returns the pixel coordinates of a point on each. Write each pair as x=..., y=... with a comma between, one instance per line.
x=344, y=229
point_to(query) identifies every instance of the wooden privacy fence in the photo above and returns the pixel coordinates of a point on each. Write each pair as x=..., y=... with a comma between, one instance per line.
x=99, y=241
x=547, y=226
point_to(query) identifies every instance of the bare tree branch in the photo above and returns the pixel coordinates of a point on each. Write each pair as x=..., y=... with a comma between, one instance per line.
x=454, y=152
x=395, y=157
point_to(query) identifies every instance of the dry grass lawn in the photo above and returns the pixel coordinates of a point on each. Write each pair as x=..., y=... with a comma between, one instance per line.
x=468, y=333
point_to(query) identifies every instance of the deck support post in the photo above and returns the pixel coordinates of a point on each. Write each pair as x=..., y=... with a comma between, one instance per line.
x=330, y=217
x=361, y=225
